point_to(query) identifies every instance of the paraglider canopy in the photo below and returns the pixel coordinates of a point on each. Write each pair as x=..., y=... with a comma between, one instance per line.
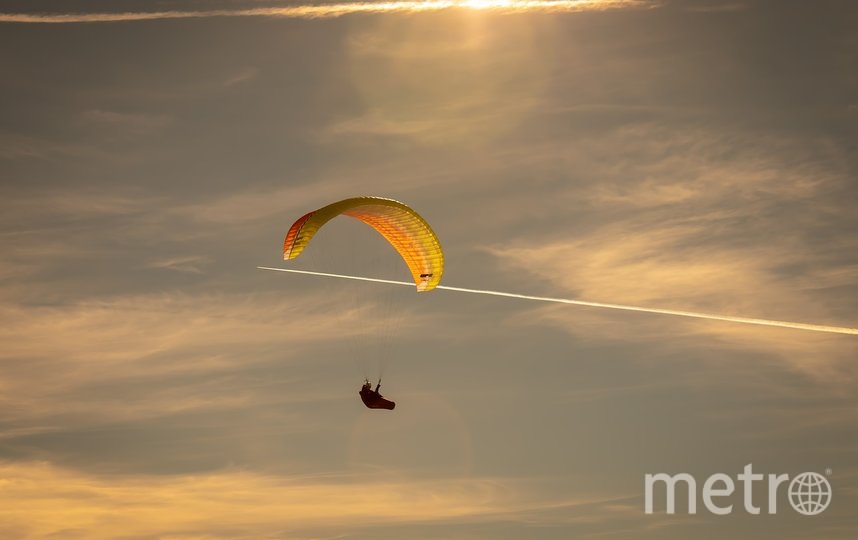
x=402, y=227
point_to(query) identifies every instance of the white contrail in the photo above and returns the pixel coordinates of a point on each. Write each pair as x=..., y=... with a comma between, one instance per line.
x=694, y=314
x=323, y=10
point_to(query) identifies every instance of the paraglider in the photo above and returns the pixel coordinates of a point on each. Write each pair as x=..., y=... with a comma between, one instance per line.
x=373, y=399
x=403, y=228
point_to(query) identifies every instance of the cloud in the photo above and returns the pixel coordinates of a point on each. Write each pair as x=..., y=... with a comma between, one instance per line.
x=192, y=264
x=674, y=267
x=313, y=11
x=242, y=76
x=39, y=500
x=683, y=228
x=169, y=352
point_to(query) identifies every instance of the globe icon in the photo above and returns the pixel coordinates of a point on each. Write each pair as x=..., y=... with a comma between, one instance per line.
x=809, y=493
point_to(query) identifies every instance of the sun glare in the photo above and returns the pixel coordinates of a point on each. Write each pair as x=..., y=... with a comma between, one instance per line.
x=488, y=4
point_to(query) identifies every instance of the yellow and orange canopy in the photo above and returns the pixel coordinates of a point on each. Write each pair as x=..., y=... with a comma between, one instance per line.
x=404, y=228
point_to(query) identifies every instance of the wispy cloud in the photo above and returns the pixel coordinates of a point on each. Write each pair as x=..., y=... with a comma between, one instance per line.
x=691, y=230
x=192, y=264
x=674, y=264
x=315, y=11
x=182, y=348
x=242, y=76
x=40, y=500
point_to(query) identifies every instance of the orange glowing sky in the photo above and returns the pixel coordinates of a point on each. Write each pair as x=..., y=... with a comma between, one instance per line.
x=689, y=155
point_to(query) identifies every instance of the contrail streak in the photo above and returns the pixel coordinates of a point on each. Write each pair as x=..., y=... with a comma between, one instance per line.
x=678, y=313
x=318, y=11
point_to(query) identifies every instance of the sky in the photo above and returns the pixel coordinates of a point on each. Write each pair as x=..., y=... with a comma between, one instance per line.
x=688, y=155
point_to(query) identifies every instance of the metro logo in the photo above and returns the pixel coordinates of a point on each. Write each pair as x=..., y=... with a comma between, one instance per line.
x=809, y=492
